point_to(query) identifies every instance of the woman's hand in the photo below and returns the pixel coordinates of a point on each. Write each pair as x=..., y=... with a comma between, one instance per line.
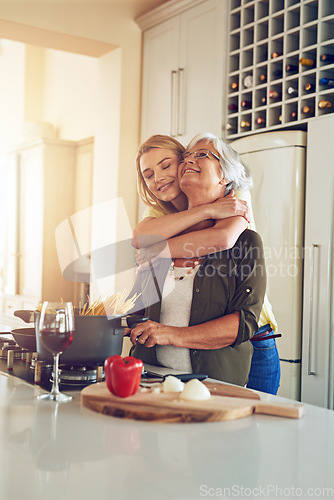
x=229, y=206
x=145, y=256
x=151, y=333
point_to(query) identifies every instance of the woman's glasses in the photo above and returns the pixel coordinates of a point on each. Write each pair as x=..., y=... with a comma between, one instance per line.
x=200, y=154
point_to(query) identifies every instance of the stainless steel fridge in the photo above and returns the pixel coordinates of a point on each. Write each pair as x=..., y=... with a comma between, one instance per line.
x=277, y=161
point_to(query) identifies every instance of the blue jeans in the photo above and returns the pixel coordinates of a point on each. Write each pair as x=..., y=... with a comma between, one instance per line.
x=265, y=371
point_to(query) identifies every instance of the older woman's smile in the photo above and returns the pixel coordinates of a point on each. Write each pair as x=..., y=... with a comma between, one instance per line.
x=189, y=170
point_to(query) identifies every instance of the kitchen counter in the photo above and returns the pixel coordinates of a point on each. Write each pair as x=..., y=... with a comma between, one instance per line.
x=64, y=451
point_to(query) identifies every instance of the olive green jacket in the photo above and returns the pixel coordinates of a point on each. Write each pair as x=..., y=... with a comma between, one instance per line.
x=229, y=281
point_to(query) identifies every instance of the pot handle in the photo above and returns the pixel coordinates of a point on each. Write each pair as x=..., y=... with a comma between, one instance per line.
x=27, y=316
x=132, y=320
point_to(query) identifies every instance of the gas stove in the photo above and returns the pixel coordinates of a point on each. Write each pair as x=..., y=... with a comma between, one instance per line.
x=21, y=363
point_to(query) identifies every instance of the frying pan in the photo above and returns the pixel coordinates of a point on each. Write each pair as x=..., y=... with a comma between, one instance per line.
x=25, y=337
x=95, y=337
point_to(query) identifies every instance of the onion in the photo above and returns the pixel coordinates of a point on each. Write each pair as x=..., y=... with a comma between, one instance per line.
x=194, y=390
x=172, y=384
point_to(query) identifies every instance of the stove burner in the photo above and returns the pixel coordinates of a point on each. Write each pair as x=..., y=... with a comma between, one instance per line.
x=4, y=341
x=79, y=375
x=8, y=346
x=24, y=364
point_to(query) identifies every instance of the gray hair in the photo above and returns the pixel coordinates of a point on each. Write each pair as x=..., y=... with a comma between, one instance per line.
x=232, y=167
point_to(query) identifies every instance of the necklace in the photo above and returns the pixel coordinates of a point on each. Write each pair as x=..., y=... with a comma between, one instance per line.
x=190, y=270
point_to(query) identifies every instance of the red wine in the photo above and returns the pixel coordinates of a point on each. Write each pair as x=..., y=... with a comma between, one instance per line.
x=56, y=342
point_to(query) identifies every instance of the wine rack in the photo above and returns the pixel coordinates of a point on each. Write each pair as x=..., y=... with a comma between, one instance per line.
x=268, y=87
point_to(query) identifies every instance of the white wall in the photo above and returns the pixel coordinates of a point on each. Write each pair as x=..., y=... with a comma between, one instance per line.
x=70, y=91
x=90, y=29
x=93, y=28
x=45, y=85
x=12, y=93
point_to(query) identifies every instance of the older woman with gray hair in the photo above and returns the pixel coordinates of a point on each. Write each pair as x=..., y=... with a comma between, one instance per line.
x=204, y=311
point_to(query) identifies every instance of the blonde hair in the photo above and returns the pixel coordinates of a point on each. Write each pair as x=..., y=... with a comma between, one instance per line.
x=162, y=142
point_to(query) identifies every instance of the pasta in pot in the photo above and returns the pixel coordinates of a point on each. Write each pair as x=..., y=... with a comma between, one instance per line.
x=107, y=304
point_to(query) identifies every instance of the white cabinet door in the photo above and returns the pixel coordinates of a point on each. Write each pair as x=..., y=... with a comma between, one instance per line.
x=31, y=215
x=160, y=65
x=201, y=63
x=11, y=250
x=318, y=328
x=41, y=194
x=183, y=68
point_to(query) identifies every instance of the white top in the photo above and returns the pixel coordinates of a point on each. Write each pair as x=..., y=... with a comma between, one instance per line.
x=175, y=311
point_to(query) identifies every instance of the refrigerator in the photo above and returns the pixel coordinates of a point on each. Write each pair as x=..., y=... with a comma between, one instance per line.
x=277, y=161
x=318, y=291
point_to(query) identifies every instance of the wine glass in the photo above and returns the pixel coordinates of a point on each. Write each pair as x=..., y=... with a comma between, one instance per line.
x=56, y=329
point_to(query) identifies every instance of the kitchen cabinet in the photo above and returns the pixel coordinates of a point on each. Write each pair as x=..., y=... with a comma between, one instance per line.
x=183, y=70
x=318, y=319
x=47, y=180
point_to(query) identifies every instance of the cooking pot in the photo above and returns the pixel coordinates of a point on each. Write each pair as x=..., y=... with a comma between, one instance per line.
x=25, y=337
x=95, y=337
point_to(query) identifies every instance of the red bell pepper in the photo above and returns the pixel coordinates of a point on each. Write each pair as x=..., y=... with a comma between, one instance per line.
x=123, y=375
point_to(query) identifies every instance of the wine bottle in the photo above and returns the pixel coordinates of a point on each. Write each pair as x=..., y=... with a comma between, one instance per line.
x=328, y=58
x=244, y=124
x=276, y=54
x=230, y=127
x=292, y=91
x=326, y=81
x=248, y=81
x=306, y=62
x=308, y=110
x=234, y=85
x=294, y=115
x=280, y=118
x=273, y=94
x=263, y=77
x=260, y=120
x=246, y=104
x=263, y=99
x=278, y=73
x=309, y=87
x=291, y=68
x=324, y=104
x=232, y=107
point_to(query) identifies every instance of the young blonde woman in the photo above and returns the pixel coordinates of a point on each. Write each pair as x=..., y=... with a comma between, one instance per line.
x=215, y=226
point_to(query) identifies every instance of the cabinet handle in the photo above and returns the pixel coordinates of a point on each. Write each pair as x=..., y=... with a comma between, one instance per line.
x=314, y=274
x=180, y=103
x=173, y=127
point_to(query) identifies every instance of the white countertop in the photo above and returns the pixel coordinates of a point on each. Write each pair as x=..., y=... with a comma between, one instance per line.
x=67, y=452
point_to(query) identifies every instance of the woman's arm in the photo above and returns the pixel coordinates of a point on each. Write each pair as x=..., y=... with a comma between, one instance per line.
x=214, y=334
x=221, y=236
x=173, y=224
x=197, y=243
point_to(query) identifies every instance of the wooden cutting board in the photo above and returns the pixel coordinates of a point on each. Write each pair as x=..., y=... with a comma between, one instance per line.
x=216, y=389
x=169, y=407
